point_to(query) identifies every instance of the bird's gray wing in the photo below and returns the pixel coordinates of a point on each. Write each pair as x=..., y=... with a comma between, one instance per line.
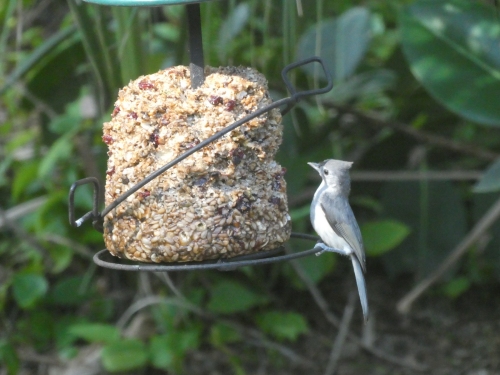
x=339, y=215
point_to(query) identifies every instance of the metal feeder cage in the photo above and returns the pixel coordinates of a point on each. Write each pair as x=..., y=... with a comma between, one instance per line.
x=103, y=258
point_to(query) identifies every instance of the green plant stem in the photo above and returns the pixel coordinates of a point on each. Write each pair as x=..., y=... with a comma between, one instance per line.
x=423, y=240
x=128, y=37
x=94, y=51
x=5, y=34
x=286, y=31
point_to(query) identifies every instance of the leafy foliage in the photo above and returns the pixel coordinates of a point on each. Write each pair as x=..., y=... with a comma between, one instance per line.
x=94, y=332
x=434, y=207
x=451, y=49
x=410, y=85
x=382, y=236
x=283, y=326
x=124, y=355
x=28, y=288
x=490, y=181
x=343, y=42
x=168, y=351
x=229, y=297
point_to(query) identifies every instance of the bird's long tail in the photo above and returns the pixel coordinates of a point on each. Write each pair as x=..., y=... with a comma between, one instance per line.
x=360, y=281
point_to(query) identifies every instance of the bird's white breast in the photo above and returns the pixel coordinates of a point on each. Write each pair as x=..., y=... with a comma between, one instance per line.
x=325, y=231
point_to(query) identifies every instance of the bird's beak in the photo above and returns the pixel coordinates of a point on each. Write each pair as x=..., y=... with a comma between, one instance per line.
x=315, y=166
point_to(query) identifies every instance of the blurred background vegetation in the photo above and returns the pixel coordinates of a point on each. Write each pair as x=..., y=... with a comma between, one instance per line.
x=415, y=105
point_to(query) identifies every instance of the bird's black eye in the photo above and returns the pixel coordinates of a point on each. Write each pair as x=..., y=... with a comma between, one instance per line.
x=326, y=172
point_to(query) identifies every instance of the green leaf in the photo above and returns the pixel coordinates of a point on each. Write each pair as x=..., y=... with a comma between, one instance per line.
x=435, y=212
x=300, y=213
x=232, y=26
x=95, y=332
x=37, y=55
x=382, y=236
x=68, y=353
x=187, y=339
x=196, y=296
x=61, y=256
x=40, y=327
x=230, y=296
x=49, y=217
x=344, y=42
x=364, y=85
x=315, y=267
x=4, y=287
x=124, y=355
x=5, y=166
x=100, y=48
x=6, y=13
x=283, y=326
x=162, y=352
x=167, y=31
x=490, y=180
x=168, y=351
x=456, y=287
x=8, y=357
x=70, y=120
x=128, y=37
x=55, y=79
x=60, y=150
x=452, y=48
x=221, y=334
x=68, y=292
x=25, y=177
x=20, y=139
x=28, y=288
x=63, y=338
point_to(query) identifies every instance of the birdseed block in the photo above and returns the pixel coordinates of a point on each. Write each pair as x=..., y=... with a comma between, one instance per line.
x=226, y=199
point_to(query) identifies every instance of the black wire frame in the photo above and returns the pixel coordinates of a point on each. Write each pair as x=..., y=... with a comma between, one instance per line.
x=226, y=264
x=98, y=217
x=263, y=257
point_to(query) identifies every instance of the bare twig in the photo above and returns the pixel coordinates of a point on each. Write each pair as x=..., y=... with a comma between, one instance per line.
x=165, y=278
x=415, y=175
x=338, y=345
x=21, y=210
x=39, y=103
x=332, y=319
x=300, y=9
x=316, y=294
x=29, y=355
x=23, y=235
x=150, y=301
x=307, y=194
x=256, y=338
x=145, y=288
x=77, y=247
x=420, y=135
x=404, y=305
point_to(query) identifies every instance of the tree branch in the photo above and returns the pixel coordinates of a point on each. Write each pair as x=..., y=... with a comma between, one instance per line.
x=404, y=305
x=419, y=135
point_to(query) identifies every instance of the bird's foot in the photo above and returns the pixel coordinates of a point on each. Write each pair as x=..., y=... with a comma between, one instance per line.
x=322, y=246
x=329, y=249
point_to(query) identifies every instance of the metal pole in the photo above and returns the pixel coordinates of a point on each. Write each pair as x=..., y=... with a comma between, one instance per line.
x=196, y=65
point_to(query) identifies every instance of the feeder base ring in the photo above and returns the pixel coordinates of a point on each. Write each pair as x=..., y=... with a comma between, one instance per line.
x=223, y=264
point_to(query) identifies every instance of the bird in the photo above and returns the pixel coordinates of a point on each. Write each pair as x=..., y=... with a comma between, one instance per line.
x=333, y=220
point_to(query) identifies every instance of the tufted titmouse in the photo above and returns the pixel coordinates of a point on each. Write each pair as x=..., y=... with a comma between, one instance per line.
x=333, y=220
